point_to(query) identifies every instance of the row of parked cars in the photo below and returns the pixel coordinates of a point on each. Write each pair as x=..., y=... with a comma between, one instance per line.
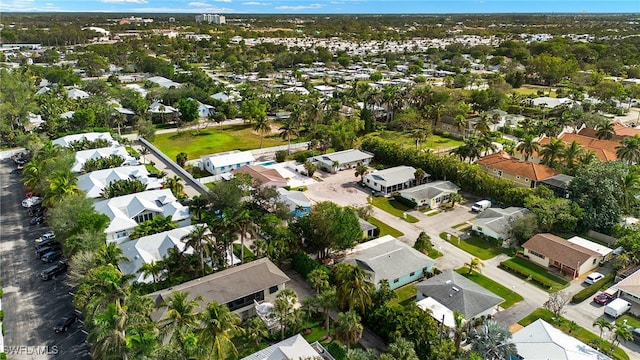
x=49, y=250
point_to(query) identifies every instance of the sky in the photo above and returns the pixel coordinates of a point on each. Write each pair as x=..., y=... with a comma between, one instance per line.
x=323, y=6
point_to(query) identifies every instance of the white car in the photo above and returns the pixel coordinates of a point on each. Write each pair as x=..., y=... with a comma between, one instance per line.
x=32, y=201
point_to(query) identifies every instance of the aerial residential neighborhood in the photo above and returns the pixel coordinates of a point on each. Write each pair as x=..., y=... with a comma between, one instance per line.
x=203, y=184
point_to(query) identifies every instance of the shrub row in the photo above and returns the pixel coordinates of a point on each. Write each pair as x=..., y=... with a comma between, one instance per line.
x=536, y=279
x=303, y=264
x=337, y=351
x=590, y=290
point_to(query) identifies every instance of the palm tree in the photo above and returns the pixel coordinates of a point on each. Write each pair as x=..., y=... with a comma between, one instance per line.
x=256, y=330
x=218, y=325
x=552, y=152
x=602, y=324
x=263, y=127
x=475, y=264
x=199, y=239
x=402, y=349
x=455, y=198
x=629, y=150
x=180, y=316
x=33, y=174
x=198, y=207
x=61, y=184
x=144, y=151
x=459, y=332
x=622, y=333
x=586, y=158
x=353, y=287
x=571, y=154
x=361, y=170
x=318, y=279
x=259, y=248
x=153, y=269
x=460, y=122
x=327, y=300
x=483, y=125
x=528, y=146
x=175, y=185
x=109, y=253
x=419, y=175
x=348, y=328
x=630, y=188
x=605, y=130
x=285, y=309
x=492, y=341
x=288, y=129
x=420, y=134
x=245, y=225
x=107, y=335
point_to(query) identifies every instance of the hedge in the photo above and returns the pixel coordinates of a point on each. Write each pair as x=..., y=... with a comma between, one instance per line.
x=590, y=290
x=303, y=264
x=538, y=280
x=337, y=351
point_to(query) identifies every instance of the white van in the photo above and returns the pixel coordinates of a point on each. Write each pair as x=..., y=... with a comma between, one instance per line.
x=593, y=277
x=617, y=307
x=481, y=206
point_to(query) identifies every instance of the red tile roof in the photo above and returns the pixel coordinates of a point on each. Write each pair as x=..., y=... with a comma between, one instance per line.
x=605, y=150
x=505, y=162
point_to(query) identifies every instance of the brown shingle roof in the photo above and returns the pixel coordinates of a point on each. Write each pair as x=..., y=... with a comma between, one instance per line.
x=559, y=249
x=503, y=161
x=261, y=173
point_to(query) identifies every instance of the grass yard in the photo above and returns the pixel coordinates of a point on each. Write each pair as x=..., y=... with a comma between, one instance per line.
x=405, y=295
x=393, y=207
x=475, y=246
x=434, y=254
x=510, y=297
x=435, y=142
x=213, y=140
x=631, y=320
x=248, y=254
x=528, y=267
x=574, y=330
x=384, y=228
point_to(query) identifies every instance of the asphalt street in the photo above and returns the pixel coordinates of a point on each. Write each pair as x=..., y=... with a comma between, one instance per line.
x=31, y=306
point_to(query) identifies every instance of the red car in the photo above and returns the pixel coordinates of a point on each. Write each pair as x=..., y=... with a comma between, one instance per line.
x=603, y=298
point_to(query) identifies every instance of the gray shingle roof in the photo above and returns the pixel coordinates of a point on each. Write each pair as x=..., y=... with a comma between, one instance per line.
x=393, y=176
x=431, y=190
x=499, y=220
x=459, y=293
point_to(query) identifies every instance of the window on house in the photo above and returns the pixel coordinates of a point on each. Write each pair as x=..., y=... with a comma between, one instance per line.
x=273, y=289
x=121, y=234
x=495, y=170
x=536, y=254
x=396, y=280
x=412, y=273
x=594, y=260
x=526, y=179
x=479, y=229
x=518, y=177
x=499, y=173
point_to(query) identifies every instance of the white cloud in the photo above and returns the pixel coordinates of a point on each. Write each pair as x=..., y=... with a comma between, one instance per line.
x=198, y=4
x=125, y=1
x=255, y=3
x=194, y=10
x=224, y=1
x=300, y=7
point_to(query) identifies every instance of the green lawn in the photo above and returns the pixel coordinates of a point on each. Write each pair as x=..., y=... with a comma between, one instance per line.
x=248, y=254
x=435, y=142
x=510, y=297
x=393, y=207
x=213, y=140
x=434, y=254
x=405, y=295
x=384, y=228
x=475, y=246
x=631, y=320
x=528, y=267
x=580, y=333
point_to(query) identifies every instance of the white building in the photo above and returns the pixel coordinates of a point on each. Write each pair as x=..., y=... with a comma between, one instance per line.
x=94, y=182
x=211, y=19
x=164, y=82
x=430, y=195
x=341, y=160
x=295, y=347
x=126, y=212
x=91, y=154
x=225, y=162
x=65, y=141
x=392, y=179
x=496, y=223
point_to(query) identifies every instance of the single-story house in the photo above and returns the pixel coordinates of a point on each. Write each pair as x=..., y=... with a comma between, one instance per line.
x=164, y=82
x=368, y=229
x=548, y=102
x=448, y=124
x=266, y=177
x=449, y=291
x=559, y=184
x=387, y=258
x=66, y=141
x=629, y=289
x=521, y=173
x=605, y=252
x=542, y=341
x=159, y=108
x=239, y=288
x=77, y=94
x=225, y=97
x=342, y=160
x=295, y=347
x=84, y=155
x=205, y=110
x=127, y=211
x=496, y=223
x=392, y=179
x=94, y=182
x=297, y=201
x=225, y=162
x=430, y=195
x=548, y=250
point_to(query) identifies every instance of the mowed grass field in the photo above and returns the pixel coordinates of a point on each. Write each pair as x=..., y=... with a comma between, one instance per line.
x=435, y=142
x=213, y=140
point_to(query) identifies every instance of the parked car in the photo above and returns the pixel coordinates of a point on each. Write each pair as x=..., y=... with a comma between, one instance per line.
x=65, y=323
x=52, y=256
x=481, y=206
x=54, y=270
x=46, y=236
x=32, y=201
x=43, y=250
x=593, y=277
x=636, y=335
x=44, y=243
x=603, y=298
x=617, y=307
x=37, y=220
x=35, y=210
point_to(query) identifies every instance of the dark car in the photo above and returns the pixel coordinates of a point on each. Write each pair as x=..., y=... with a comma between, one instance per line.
x=37, y=220
x=51, y=247
x=636, y=335
x=54, y=270
x=603, y=298
x=52, y=256
x=44, y=243
x=65, y=323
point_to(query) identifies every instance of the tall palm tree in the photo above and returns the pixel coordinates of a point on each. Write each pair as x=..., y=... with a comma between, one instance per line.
x=629, y=150
x=459, y=330
x=460, y=122
x=586, y=158
x=361, y=170
x=348, y=328
x=285, y=309
x=33, y=174
x=61, y=184
x=630, y=188
x=353, y=287
x=153, y=269
x=175, y=185
x=198, y=207
x=483, y=125
x=622, y=333
x=602, y=324
x=287, y=130
x=475, y=264
x=420, y=134
x=109, y=253
x=318, y=279
x=552, y=152
x=107, y=333
x=402, y=349
x=327, y=300
x=199, y=239
x=419, y=175
x=245, y=225
x=492, y=341
x=605, y=130
x=263, y=127
x=571, y=154
x=218, y=325
x=256, y=330
x=180, y=316
x=528, y=146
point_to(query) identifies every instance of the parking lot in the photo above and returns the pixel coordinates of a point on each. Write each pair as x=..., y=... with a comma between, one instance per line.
x=31, y=306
